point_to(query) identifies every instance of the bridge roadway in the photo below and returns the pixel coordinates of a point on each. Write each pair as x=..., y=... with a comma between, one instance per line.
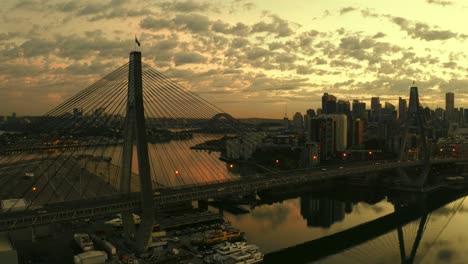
x=87, y=208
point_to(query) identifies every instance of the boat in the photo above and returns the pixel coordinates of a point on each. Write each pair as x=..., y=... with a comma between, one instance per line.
x=117, y=222
x=84, y=241
x=235, y=253
x=249, y=255
x=229, y=248
x=219, y=236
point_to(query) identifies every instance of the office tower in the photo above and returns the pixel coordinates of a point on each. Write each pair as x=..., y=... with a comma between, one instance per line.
x=402, y=109
x=449, y=105
x=359, y=109
x=298, y=122
x=328, y=104
x=439, y=113
x=322, y=131
x=413, y=100
x=341, y=131
x=310, y=112
x=343, y=107
x=375, y=103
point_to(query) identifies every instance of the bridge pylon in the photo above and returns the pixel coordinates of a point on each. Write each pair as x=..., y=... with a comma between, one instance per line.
x=135, y=132
x=415, y=125
x=405, y=259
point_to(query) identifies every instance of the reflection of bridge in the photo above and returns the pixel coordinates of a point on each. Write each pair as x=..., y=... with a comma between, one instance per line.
x=333, y=244
x=113, y=97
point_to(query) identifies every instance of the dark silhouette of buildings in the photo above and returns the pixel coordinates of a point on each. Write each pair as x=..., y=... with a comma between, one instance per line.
x=449, y=105
x=323, y=212
x=328, y=104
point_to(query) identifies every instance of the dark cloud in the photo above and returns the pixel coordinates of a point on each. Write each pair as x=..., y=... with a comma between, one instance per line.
x=193, y=22
x=320, y=61
x=304, y=70
x=155, y=23
x=439, y=2
x=345, y=64
x=262, y=82
x=379, y=35
x=185, y=6
x=240, y=43
x=278, y=27
x=348, y=9
x=188, y=57
x=240, y=29
x=256, y=53
x=418, y=30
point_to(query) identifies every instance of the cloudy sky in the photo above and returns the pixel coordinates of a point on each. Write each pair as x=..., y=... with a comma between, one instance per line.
x=250, y=58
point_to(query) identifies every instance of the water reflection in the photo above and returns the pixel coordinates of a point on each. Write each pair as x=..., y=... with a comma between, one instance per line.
x=324, y=228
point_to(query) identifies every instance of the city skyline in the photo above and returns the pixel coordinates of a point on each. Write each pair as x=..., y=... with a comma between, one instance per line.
x=250, y=58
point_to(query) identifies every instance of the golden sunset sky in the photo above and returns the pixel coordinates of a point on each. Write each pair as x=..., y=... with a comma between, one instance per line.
x=250, y=58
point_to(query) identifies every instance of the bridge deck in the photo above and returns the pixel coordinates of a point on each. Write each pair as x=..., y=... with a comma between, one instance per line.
x=79, y=209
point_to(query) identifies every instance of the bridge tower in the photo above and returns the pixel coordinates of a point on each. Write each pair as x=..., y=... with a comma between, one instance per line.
x=135, y=132
x=415, y=124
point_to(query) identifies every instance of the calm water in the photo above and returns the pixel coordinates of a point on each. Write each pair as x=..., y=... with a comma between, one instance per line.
x=294, y=221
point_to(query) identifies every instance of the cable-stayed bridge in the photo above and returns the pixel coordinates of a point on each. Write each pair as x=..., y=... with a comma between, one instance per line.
x=123, y=145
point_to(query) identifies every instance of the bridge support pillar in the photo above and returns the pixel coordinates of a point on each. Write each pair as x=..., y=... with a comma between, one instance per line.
x=135, y=129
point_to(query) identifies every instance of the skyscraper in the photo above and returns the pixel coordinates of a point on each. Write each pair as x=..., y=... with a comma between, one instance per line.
x=413, y=100
x=359, y=109
x=298, y=122
x=375, y=103
x=449, y=105
x=402, y=108
x=343, y=107
x=328, y=104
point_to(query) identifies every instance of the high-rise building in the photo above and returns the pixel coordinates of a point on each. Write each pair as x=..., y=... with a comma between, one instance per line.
x=298, y=122
x=402, y=109
x=322, y=131
x=439, y=113
x=389, y=106
x=357, y=132
x=341, y=131
x=413, y=100
x=375, y=103
x=449, y=105
x=465, y=115
x=328, y=104
x=359, y=109
x=343, y=107
x=388, y=113
x=310, y=113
